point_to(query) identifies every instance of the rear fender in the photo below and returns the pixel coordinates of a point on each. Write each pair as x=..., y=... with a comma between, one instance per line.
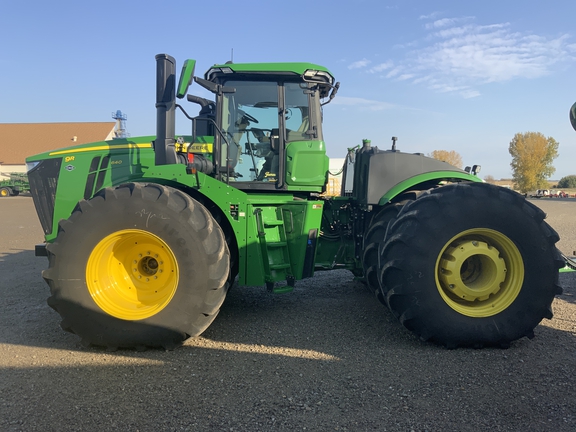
x=426, y=181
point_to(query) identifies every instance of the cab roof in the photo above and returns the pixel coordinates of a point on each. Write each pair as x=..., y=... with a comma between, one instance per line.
x=308, y=71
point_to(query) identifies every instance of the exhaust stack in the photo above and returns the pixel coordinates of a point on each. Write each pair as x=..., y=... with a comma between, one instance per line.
x=165, y=110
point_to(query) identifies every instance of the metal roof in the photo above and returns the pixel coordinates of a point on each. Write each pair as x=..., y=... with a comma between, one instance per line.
x=20, y=140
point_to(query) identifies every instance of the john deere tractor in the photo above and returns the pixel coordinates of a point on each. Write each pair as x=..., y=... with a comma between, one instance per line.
x=145, y=236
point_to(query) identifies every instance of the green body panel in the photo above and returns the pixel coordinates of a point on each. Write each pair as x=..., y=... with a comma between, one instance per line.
x=132, y=160
x=438, y=176
x=306, y=163
x=104, y=163
x=274, y=244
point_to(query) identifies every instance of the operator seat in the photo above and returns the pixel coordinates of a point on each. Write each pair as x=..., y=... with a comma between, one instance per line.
x=272, y=159
x=234, y=151
x=300, y=134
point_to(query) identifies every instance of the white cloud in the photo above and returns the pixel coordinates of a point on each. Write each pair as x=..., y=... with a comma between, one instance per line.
x=381, y=67
x=370, y=105
x=457, y=55
x=429, y=16
x=483, y=54
x=359, y=64
x=394, y=72
x=469, y=94
x=444, y=22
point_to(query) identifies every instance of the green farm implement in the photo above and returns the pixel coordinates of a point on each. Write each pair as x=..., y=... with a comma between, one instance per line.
x=16, y=184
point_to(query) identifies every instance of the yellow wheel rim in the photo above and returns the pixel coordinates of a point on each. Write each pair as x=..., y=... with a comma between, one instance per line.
x=3, y=192
x=479, y=272
x=132, y=274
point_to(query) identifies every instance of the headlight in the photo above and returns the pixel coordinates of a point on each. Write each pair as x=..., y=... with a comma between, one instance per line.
x=31, y=165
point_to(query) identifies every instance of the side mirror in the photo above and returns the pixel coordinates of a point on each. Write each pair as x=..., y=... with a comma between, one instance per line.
x=573, y=116
x=186, y=77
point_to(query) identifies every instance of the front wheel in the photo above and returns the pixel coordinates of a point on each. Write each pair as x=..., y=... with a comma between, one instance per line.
x=470, y=265
x=5, y=192
x=138, y=265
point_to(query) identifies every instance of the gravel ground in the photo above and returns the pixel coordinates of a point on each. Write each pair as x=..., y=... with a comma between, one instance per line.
x=326, y=357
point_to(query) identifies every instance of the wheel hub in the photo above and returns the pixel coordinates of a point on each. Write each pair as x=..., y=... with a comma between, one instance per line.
x=132, y=274
x=479, y=272
x=472, y=270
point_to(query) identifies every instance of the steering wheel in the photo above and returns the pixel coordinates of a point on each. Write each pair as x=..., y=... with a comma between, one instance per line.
x=248, y=116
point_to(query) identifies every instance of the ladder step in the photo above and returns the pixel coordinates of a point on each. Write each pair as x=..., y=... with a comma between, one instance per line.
x=276, y=244
x=279, y=266
x=271, y=223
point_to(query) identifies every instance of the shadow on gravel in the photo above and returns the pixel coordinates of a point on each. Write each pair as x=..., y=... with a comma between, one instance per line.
x=568, y=284
x=327, y=356
x=329, y=314
x=311, y=318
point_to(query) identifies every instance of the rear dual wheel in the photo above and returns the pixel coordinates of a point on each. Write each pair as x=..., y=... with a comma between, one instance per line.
x=372, y=242
x=138, y=265
x=470, y=265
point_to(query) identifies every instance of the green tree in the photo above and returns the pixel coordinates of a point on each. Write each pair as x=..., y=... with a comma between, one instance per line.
x=532, y=158
x=452, y=157
x=567, y=182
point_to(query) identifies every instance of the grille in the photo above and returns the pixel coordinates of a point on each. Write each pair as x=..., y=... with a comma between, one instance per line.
x=43, y=180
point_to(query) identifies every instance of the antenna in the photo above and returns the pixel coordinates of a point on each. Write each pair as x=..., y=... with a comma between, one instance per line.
x=232, y=55
x=120, y=118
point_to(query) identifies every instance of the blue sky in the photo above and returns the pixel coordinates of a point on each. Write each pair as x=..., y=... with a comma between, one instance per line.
x=439, y=75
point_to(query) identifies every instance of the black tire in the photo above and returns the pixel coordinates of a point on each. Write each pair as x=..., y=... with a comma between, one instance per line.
x=470, y=264
x=5, y=192
x=229, y=236
x=139, y=265
x=373, y=239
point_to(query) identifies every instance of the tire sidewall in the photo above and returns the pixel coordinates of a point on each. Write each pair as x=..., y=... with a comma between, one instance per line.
x=174, y=227
x=459, y=211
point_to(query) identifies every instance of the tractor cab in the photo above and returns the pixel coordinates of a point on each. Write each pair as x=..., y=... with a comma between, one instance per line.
x=263, y=130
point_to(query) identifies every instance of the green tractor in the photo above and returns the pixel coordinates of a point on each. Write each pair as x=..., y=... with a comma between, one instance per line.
x=145, y=236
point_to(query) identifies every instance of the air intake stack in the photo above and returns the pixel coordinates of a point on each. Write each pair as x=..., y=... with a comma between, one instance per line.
x=165, y=110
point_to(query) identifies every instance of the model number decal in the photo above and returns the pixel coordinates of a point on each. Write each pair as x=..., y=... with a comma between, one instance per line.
x=69, y=158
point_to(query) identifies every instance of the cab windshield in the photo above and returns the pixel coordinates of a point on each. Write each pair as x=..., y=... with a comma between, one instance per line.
x=258, y=121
